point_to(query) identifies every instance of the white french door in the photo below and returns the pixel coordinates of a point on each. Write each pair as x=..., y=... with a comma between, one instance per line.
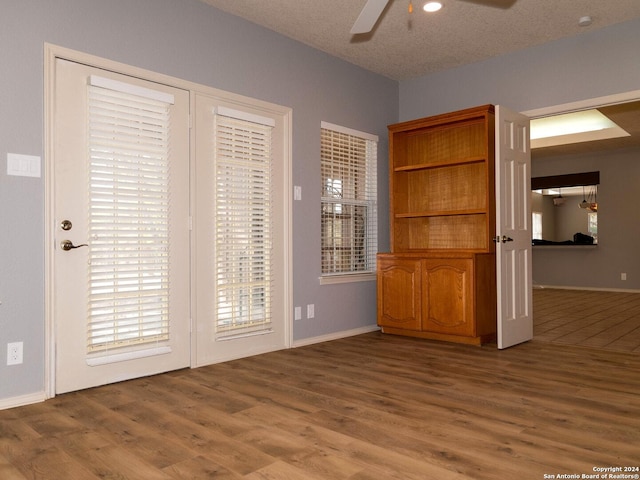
x=513, y=228
x=120, y=257
x=241, y=225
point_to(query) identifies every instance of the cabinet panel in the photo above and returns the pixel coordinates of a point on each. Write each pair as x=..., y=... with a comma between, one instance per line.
x=399, y=293
x=448, y=305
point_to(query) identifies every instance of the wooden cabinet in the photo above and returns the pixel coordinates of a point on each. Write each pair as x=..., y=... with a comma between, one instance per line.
x=443, y=296
x=439, y=279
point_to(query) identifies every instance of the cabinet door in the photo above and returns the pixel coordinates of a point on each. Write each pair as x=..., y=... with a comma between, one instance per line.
x=399, y=297
x=448, y=300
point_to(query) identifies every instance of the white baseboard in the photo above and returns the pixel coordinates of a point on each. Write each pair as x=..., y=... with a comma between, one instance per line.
x=593, y=289
x=22, y=400
x=335, y=336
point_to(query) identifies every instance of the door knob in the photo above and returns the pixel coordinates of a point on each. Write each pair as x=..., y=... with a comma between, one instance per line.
x=67, y=245
x=504, y=239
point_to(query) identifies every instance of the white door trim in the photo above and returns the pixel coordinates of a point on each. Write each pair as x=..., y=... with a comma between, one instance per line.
x=53, y=52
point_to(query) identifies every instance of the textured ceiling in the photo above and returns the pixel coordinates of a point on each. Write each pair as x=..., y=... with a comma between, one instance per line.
x=404, y=45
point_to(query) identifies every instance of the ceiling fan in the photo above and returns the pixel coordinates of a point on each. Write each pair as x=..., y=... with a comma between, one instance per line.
x=373, y=9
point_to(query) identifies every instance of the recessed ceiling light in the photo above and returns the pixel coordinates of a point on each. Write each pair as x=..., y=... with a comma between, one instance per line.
x=432, y=7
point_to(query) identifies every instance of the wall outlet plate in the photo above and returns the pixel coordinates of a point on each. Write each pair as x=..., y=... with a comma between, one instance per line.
x=14, y=353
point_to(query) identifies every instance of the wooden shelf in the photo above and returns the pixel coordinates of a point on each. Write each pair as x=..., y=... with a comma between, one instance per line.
x=452, y=163
x=442, y=213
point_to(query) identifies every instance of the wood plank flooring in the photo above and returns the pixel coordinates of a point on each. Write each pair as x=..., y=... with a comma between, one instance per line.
x=369, y=407
x=595, y=319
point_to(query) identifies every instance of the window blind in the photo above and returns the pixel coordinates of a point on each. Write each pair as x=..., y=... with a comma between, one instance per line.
x=128, y=301
x=349, y=201
x=243, y=226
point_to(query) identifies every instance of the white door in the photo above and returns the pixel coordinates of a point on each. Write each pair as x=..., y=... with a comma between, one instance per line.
x=513, y=228
x=120, y=202
x=241, y=231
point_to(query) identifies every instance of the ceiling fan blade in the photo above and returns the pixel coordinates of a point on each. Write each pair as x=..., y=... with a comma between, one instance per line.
x=368, y=16
x=504, y=4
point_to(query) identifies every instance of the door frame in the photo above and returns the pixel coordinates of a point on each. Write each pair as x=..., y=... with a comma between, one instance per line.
x=53, y=52
x=617, y=98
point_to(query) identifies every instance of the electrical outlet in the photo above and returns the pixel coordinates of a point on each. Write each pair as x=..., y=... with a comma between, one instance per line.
x=623, y=276
x=310, y=311
x=297, y=313
x=14, y=353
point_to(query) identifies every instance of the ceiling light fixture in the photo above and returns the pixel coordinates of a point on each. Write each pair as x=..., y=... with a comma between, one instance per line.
x=432, y=7
x=593, y=199
x=584, y=203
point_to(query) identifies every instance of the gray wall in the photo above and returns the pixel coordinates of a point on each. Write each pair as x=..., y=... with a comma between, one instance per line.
x=618, y=225
x=590, y=65
x=189, y=40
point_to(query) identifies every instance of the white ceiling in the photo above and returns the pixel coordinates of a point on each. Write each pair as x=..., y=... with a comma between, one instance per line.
x=404, y=45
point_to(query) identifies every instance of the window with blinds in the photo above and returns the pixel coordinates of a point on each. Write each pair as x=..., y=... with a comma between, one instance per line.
x=128, y=217
x=243, y=224
x=349, y=240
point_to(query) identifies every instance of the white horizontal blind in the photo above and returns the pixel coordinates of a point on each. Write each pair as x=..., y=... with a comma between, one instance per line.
x=128, y=221
x=243, y=227
x=349, y=201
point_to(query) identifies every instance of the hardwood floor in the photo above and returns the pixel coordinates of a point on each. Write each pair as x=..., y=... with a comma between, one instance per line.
x=595, y=319
x=369, y=407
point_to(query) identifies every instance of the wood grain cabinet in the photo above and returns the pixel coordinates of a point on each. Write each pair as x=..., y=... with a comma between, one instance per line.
x=438, y=281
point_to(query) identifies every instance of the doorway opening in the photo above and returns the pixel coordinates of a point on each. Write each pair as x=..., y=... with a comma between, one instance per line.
x=611, y=267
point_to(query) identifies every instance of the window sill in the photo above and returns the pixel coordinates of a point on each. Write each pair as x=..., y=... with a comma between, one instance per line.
x=348, y=278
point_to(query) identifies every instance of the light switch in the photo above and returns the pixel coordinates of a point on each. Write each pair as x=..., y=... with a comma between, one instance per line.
x=23, y=165
x=297, y=192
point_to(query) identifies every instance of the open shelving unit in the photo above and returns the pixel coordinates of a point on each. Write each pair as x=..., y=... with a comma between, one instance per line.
x=442, y=214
